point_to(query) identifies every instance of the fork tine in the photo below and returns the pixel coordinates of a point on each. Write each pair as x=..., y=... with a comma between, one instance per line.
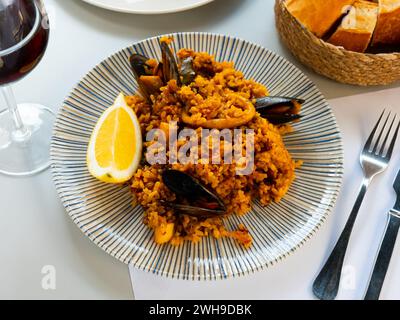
x=371, y=137
x=377, y=142
x=387, y=137
x=390, y=150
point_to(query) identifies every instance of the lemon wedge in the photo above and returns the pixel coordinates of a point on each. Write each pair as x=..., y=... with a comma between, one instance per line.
x=115, y=147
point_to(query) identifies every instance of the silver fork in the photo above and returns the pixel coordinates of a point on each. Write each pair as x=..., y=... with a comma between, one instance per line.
x=374, y=160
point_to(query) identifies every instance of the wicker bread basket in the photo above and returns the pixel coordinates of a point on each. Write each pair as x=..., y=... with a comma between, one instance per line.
x=332, y=61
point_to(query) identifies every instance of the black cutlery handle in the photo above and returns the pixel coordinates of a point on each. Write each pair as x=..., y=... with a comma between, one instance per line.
x=383, y=259
x=326, y=285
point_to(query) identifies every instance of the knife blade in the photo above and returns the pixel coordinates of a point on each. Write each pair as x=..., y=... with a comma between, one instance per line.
x=396, y=187
x=382, y=261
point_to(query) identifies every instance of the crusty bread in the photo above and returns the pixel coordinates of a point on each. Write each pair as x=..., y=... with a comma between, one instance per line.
x=356, y=30
x=318, y=16
x=388, y=27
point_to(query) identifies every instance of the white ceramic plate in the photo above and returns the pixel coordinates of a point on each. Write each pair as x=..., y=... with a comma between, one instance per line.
x=105, y=213
x=148, y=6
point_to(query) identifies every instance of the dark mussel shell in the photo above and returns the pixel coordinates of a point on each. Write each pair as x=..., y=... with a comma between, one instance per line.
x=272, y=102
x=187, y=71
x=149, y=83
x=170, y=66
x=139, y=65
x=279, y=119
x=202, y=201
x=279, y=110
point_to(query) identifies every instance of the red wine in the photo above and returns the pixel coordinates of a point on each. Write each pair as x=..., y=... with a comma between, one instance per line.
x=23, y=38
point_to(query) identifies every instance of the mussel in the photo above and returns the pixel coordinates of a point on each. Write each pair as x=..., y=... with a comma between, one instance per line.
x=170, y=66
x=147, y=77
x=193, y=198
x=152, y=78
x=279, y=110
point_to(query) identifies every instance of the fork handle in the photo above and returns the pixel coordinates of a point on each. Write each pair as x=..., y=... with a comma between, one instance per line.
x=383, y=259
x=326, y=285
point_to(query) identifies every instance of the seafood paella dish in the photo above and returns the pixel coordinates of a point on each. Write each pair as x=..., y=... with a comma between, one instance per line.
x=198, y=142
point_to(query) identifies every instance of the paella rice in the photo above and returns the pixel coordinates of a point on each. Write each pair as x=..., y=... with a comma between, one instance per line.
x=219, y=96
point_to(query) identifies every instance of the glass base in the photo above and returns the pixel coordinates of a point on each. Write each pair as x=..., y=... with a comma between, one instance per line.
x=25, y=153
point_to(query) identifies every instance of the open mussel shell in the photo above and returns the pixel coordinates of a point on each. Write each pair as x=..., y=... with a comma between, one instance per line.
x=202, y=202
x=139, y=65
x=274, y=102
x=279, y=119
x=150, y=79
x=170, y=66
x=149, y=83
x=279, y=110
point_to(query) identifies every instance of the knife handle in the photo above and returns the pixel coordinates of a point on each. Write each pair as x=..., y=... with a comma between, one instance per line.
x=383, y=259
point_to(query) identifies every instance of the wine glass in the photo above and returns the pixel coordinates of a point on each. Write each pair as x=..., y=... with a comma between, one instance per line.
x=25, y=129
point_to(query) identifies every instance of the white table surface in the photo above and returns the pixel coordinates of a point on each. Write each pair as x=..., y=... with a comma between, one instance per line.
x=36, y=232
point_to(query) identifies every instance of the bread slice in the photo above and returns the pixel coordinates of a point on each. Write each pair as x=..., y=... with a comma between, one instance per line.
x=356, y=30
x=318, y=16
x=388, y=27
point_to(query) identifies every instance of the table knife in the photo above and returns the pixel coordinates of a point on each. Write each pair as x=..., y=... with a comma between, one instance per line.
x=386, y=249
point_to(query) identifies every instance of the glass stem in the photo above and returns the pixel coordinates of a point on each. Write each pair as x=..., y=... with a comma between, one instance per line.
x=20, y=133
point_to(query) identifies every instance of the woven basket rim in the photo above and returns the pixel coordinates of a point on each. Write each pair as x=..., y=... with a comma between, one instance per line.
x=388, y=55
